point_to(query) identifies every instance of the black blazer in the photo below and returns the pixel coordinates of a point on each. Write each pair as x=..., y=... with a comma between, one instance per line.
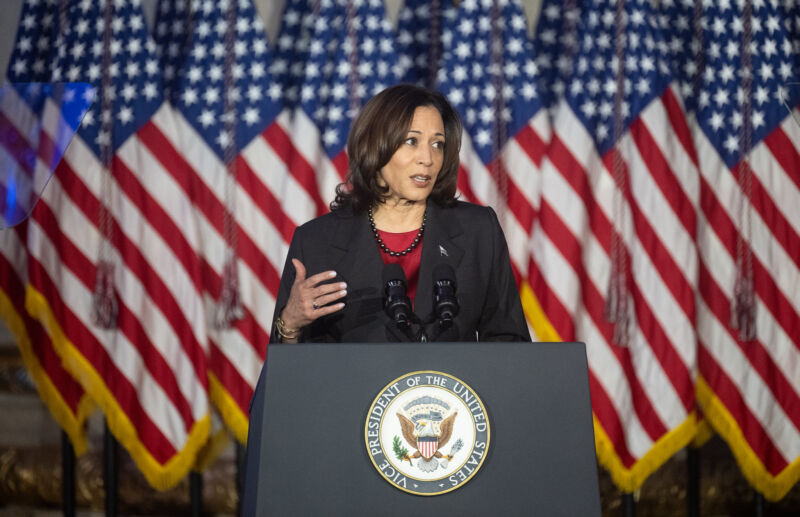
x=466, y=236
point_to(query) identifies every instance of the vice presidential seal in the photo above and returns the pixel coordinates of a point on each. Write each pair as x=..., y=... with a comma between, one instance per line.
x=427, y=433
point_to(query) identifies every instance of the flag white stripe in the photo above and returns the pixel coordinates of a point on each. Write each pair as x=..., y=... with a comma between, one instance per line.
x=554, y=266
x=540, y=123
x=29, y=126
x=254, y=294
x=127, y=360
x=15, y=253
x=722, y=268
x=19, y=114
x=771, y=254
x=306, y=140
x=672, y=235
x=208, y=167
x=481, y=182
x=274, y=174
x=569, y=206
x=610, y=376
x=654, y=381
x=781, y=189
x=758, y=397
x=681, y=165
x=650, y=200
x=133, y=294
x=595, y=262
x=137, y=228
x=236, y=349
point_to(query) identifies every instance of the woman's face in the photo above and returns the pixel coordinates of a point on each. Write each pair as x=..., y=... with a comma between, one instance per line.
x=414, y=167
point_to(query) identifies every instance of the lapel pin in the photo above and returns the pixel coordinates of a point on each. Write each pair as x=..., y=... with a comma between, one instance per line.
x=442, y=251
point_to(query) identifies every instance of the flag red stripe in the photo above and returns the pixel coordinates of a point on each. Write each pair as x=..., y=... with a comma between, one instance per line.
x=663, y=176
x=593, y=302
x=607, y=416
x=16, y=145
x=785, y=153
x=70, y=391
x=557, y=314
x=592, y=299
x=208, y=204
x=139, y=266
x=515, y=199
x=341, y=164
x=678, y=124
x=296, y=164
x=780, y=229
x=530, y=142
x=264, y=199
x=728, y=393
x=239, y=389
x=464, y=186
x=119, y=386
x=127, y=322
x=674, y=367
x=47, y=151
x=764, y=284
x=756, y=354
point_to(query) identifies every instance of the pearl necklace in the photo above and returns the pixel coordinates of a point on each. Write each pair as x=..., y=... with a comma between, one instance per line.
x=406, y=251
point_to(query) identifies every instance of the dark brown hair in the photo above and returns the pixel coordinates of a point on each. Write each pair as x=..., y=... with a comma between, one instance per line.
x=379, y=130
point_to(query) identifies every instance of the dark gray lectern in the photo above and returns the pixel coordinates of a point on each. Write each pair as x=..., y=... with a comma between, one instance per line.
x=306, y=453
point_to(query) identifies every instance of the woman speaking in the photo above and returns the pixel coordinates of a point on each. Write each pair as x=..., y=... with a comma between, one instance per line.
x=398, y=206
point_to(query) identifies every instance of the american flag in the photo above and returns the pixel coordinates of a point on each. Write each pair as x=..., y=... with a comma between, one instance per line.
x=24, y=133
x=148, y=371
x=347, y=50
x=242, y=194
x=642, y=388
x=490, y=76
x=749, y=390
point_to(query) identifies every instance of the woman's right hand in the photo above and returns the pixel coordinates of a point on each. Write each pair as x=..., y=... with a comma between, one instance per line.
x=309, y=298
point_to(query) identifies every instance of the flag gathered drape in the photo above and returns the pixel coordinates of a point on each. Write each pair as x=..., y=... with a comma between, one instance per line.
x=640, y=155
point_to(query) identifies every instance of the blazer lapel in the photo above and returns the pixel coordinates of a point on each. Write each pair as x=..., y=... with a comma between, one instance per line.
x=359, y=257
x=438, y=246
x=360, y=265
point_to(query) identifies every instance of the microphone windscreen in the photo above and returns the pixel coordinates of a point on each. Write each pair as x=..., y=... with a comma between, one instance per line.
x=444, y=271
x=393, y=272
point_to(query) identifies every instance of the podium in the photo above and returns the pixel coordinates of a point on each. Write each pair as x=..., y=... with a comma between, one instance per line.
x=306, y=451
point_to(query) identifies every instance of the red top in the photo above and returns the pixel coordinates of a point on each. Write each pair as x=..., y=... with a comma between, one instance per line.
x=409, y=262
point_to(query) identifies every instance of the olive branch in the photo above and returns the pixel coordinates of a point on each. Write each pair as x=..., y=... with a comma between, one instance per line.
x=400, y=451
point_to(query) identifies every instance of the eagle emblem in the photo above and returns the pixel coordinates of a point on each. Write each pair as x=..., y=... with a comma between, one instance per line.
x=427, y=426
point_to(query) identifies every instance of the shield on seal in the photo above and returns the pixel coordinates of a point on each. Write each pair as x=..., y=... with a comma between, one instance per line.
x=427, y=446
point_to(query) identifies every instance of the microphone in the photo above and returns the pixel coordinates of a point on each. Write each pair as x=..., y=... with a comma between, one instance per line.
x=395, y=300
x=444, y=293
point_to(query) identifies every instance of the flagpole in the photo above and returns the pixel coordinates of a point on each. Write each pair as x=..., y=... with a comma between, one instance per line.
x=196, y=493
x=240, y=458
x=758, y=504
x=67, y=476
x=110, y=471
x=692, y=481
x=628, y=505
